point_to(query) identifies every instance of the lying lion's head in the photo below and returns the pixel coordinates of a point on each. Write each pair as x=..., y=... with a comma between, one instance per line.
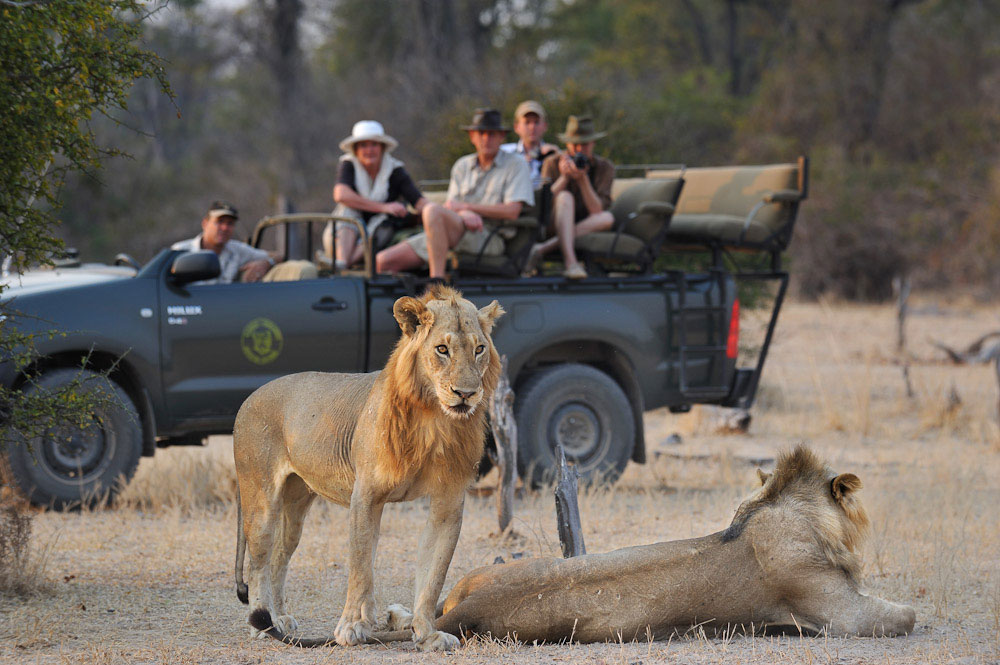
x=805, y=487
x=451, y=354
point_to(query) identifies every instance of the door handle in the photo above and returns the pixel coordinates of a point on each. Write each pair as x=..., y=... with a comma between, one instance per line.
x=328, y=304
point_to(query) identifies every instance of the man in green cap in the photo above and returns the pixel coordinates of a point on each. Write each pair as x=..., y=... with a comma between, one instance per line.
x=581, y=194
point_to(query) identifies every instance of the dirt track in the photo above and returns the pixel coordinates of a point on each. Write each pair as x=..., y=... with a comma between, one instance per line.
x=152, y=581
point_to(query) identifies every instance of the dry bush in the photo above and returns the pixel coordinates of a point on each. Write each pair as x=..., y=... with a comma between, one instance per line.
x=21, y=568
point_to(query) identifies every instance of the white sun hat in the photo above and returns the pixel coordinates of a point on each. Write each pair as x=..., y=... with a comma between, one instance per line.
x=368, y=130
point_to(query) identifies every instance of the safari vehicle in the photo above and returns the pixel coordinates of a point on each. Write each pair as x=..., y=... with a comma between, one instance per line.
x=586, y=358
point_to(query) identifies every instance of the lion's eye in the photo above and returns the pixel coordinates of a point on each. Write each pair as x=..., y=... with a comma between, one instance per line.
x=442, y=349
x=480, y=349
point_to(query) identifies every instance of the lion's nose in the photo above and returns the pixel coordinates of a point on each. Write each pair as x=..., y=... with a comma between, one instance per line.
x=463, y=394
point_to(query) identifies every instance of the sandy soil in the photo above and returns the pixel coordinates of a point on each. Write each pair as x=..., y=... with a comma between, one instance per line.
x=152, y=581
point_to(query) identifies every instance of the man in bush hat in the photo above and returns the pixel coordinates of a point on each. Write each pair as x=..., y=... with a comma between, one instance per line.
x=530, y=125
x=581, y=194
x=235, y=258
x=488, y=184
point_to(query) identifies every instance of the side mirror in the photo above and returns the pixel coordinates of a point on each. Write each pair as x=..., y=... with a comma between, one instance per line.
x=195, y=267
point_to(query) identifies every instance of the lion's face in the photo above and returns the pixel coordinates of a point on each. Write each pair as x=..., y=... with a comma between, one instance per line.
x=455, y=355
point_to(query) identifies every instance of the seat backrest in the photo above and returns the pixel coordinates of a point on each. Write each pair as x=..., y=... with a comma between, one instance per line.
x=619, y=185
x=735, y=190
x=645, y=226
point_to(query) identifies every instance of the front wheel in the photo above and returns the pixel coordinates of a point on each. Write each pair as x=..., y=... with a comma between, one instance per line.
x=70, y=466
x=582, y=408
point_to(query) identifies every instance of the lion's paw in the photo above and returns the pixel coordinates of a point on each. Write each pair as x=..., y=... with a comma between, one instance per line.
x=438, y=641
x=352, y=633
x=398, y=617
x=286, y=623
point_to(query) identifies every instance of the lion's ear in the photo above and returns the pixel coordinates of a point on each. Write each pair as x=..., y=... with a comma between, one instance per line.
x=763, y=475
x=410, y=313
x=488, y=316
x=843, y=485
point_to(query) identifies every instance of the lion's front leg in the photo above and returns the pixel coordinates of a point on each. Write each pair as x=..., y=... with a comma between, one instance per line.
x=437, y=545
x=358, y=619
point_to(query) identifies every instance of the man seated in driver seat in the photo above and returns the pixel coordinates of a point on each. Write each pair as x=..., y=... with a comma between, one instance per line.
x=237, y=259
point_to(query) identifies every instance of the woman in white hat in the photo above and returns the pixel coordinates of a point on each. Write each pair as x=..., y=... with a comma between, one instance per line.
x=370, y=182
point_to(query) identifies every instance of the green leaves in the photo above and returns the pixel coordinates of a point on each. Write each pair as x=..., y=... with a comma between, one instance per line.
x=61, y=62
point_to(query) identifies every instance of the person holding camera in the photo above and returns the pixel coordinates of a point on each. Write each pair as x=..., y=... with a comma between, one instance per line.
x=581, y=195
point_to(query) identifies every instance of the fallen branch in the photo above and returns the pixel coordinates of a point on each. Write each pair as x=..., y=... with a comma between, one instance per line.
x=977, y=352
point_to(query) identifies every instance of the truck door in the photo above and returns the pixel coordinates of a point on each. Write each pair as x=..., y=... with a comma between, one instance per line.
x=223, y=341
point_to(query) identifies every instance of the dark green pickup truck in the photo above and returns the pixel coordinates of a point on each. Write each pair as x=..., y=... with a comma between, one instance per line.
x=586, y=358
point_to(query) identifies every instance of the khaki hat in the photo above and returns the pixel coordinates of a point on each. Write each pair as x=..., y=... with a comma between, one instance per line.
x=529, y=106
x=222, y=209
x=486, y=120
x=580, y=129
x=368, y=130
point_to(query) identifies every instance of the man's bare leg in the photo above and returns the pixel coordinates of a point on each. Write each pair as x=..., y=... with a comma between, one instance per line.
x=397, y=258
x=444, y=228
x=567, y=230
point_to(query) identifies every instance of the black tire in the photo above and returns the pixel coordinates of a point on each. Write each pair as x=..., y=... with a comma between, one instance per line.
x=586, y=410
x=82, y=466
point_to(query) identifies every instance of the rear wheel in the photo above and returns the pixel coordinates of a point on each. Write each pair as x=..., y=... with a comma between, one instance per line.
x=69, y=466
x=582, y=408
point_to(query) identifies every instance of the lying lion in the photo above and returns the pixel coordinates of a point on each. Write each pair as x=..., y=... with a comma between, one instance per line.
x=787, y=563
x=361, y=440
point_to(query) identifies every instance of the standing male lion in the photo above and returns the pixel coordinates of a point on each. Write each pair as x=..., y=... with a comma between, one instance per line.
x=361, y=440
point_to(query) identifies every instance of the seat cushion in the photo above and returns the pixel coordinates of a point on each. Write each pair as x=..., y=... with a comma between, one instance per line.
x=599, y=244
x=723, y=228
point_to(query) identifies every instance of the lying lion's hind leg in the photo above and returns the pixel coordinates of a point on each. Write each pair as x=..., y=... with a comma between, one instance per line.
x=398, y=617
x=295, y=500
x=261, y=620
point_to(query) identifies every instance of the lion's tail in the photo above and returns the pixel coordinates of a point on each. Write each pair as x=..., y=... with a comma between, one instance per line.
x=242, y=592
x=261, y=620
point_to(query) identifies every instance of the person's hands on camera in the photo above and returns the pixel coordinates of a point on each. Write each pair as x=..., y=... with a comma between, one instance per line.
x=569, y=168
x=394, y=208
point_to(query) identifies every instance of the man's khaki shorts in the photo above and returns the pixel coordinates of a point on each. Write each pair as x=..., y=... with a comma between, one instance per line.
x=470, y=243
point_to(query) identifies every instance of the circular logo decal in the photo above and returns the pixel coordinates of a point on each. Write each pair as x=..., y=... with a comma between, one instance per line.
x=261, y=341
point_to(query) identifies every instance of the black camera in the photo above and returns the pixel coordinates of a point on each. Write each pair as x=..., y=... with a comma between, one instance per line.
x=580, y=160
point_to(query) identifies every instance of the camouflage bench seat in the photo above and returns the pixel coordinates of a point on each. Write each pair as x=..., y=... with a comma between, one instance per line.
x=742, y=206
x=642, y=208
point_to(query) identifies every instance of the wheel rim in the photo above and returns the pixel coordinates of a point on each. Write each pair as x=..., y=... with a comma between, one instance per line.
x=578, y=428
x=76, y=455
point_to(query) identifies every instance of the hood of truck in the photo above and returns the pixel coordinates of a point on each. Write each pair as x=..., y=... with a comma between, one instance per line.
x=43, y=280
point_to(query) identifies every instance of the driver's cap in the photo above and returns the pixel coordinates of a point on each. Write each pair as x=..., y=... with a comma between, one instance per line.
x=222, y=209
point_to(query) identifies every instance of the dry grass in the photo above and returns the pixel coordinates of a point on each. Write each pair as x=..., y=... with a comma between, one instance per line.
x=151, y=580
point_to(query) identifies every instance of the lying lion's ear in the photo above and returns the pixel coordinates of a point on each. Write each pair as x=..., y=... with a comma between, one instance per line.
x=763, y=476
x=843, y=485
x=488, y=316
x=410, y=313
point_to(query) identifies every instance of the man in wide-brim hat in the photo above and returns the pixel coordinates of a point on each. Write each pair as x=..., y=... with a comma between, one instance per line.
x=581, y=194
x=488, y=184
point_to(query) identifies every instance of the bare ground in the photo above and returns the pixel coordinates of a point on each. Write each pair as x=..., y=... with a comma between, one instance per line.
x=151, y=581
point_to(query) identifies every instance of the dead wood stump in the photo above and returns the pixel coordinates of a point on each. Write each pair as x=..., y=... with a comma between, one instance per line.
x=567, y=508
x=504, y=430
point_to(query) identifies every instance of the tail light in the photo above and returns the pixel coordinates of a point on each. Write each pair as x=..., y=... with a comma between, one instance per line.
x=733, y=340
